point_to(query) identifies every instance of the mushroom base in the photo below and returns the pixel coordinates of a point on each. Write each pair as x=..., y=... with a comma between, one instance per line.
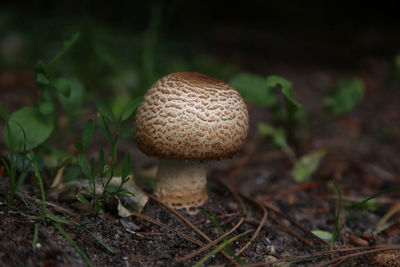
x=181, y=185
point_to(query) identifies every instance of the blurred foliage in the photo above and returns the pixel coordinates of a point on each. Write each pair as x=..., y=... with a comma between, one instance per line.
x=31, y=126
x=254, y=88
x=117, y=63
x=345, y=97
x=306, y=165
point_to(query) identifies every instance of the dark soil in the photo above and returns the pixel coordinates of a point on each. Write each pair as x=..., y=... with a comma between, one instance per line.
x=363, y=158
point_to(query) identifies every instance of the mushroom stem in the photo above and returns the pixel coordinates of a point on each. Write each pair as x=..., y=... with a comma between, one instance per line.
x=181, y=184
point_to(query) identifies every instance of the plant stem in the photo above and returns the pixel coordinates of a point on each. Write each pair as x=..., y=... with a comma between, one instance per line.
x=38, y=179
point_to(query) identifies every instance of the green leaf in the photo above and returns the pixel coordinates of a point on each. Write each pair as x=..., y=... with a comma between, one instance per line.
x=322, y=234
x=85, y=167
x=307, y=165
x=72, y=243
x=274, y=81
x=79, y=146
x=277, y=134
x=345, y=97
x=62, y=86
x=82, y=199
x=253, y=88
x=40, y=67
x=104, y=127
x=41, y=79
x=46, y=108
x=131, y=108
x=127, y=132
x=126, y=193
x=87, y=134
x=126, y=166
x=4, y=113
x=37, y=128
x=100, y=162
x=106, y=111
x=72, y=102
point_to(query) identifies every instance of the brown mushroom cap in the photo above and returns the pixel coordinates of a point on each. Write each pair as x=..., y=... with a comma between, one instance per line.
x=191, y=116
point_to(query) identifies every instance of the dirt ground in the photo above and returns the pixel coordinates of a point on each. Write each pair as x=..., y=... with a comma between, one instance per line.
x=254, y=190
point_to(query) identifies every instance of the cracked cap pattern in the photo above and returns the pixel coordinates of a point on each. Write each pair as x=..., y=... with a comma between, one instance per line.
x=191, y=116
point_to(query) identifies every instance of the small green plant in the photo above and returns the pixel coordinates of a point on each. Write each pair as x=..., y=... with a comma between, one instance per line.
x=39, y=120
x=345, y=97
x=29, y=127
x=56, y=220
x=289, y=115
x=336, y=227
x=101, y=173
x=15, y=162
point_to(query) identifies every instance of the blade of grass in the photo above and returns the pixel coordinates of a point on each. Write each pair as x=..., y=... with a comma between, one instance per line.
x=39, y=180
x=220, y=247
x=336, y=228
x=110, y=249
x=390, y=189
x=60, y=220
x=214, y=219
x=72, y=243
x=35, y=235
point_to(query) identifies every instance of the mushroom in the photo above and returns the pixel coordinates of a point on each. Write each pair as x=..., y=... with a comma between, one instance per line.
x=186, y=119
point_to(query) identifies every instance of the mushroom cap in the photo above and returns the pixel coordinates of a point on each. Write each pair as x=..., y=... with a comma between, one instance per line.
x=191, y=116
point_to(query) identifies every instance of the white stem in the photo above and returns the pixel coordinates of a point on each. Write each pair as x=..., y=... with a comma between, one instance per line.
x=181, y=184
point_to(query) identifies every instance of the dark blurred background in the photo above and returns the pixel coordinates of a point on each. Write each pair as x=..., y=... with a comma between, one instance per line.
x=129, y=44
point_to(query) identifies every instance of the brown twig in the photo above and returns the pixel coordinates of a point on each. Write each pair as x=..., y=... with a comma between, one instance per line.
x=293, y=233
x=234, y=192
x=209, y=245
x=296, y=188
x=352, y=255
x=197, y=230
x=277, y=212
x=149, y=219
x=260, y=225
x=207, y=221
x=371, y=249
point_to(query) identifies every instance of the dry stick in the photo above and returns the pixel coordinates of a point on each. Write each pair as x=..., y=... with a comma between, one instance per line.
x=293, y=233
x=209, y=245
x=197, y=230
x=262, y=222
x=325, y=253
x=339, y=262
x=240, y=200
x=180, y=216
x=234, y=192
x=260, y=225
x=207, y=221
x=343, y=258
x=55, y=206
x=296, y=188
x=144, y=217
x=277, y=212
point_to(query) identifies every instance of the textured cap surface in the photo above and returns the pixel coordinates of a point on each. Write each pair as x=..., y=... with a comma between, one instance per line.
x=191, y=116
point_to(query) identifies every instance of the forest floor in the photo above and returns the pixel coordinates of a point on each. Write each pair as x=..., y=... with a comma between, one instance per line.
x=253, y=191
